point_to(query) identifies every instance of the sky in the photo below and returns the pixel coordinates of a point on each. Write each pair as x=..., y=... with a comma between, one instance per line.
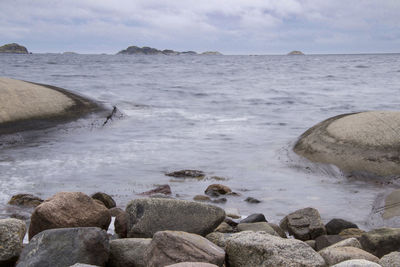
x=228, y=26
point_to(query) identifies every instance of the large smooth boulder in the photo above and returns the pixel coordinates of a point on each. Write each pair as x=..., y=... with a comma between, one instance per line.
x=150, y=215
x=334, y=255
x=304, y=224
x=128, y=252
x=381, y=241
x=26, y=105
x=12, y=232
x=365, y=142
x=390, y=260
x=69, y=209
x=169, y=247
x=357, y=263
x=262, y=249
x=65, y=247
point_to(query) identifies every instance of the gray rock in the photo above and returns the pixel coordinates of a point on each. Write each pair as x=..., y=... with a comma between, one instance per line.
x=278, y=230
x=335, y=226
x=304, y=224
x=65, y=247
x=324, y=241
x=150, y=215
x=256, y=227
x=381, y=241
x=364, y=142
x=121, y=224
x=115, y=211
x=164, y=189
x=169, y=247
x=218, y=239
x=356, y=263
x=256, y=217
x=390, y=260
x=128, y=252
x=349, y=242
x=262, y=249
x=385, y=210
x=334, y=255
x=83, y=265
x=192, y=264
x=311, y=243
x=12, y=232
x=224, y=228
x=107, y=200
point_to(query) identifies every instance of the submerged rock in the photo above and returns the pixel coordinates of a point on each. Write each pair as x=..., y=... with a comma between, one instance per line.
x=386, y=210
x=150, y=215
x=361, y=143
x=169, y=247
x=25, y=200
x=13, y=49
x=187, y=174
x=217, y=189
x=69, y=209
x=12, y=232
x=161, y=189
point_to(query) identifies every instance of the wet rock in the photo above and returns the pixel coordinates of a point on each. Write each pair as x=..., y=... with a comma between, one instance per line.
x=255, y=227
x=148, y=216
x=12, y=232
x=65, y=247
x=256, y=217
x=218, y=239
x=324, y=241
x=107, y=200
x=187, y=174
x=252, y=200
x=192, y=264
x=128, y=252
x=232, y=213
x=262, y=249
x=352, y=232
x=161, y=189
x=69, y=209
x=338, y=254
x=202, y=198
x=386, y=210
x=217, y=189
x=335, y=226
x=390, y=260
x=25, y=200
x=381, y=241
x=169, y=247
x=219, y=200
x=224, y=228
x=304, y=224
x=121, y=224
x=356, y=263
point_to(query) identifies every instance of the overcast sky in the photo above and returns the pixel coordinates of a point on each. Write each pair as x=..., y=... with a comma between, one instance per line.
x=229, y=26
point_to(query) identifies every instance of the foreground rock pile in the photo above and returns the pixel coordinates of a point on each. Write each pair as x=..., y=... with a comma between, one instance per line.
x=69, y=229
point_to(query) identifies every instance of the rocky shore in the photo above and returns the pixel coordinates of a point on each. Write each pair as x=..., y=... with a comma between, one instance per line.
x=70, y=229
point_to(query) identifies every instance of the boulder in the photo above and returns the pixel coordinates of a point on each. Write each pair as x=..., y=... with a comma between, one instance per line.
x=349, y=242
x=217, y=189
x=187, y=174
x=218, y=239
x=121, y=224
x=25, y=200
x=357, y=263
x=115, y=211
x=13, y=49
x=25, y=106
x=192, y=264
x=107, y=200
x=224, y=228
x=150, y=215
x=65, y=247
x=364, y=143
x=278, y=230
x=169, y=247
x=69, y=209
x=161, y=189
x=256, y=217
x=256, y=227
x=262, y=249
x=352, y=232
x=304, y=224
x=12, y=232
x=128, y=252
x=324, y=241
x=335, y=226
x=390, y=260
x=381, y=241
x=335, y=255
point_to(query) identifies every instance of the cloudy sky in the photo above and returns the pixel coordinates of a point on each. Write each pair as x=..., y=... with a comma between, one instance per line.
x=229, y=26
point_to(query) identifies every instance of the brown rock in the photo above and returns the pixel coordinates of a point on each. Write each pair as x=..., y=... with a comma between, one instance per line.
x=202, y=198
x=161, y=189
x=107, y=200
x=224, y=228
x=121, y=224
x=69, y=209
x=338, y=254
x=25, y=200
x=217, y=189
x=169, y=247
x=352, y=232
x=115, y=211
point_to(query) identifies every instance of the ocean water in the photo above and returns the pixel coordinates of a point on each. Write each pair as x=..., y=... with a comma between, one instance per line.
x=235, y=117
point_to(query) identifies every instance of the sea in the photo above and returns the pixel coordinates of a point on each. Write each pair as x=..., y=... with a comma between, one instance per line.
x=236, y=118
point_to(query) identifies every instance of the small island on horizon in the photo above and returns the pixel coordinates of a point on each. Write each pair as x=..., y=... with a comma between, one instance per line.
x=145, y=50
x=13, y=48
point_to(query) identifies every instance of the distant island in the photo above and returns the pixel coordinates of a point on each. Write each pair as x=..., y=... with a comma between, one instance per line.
x=135, y=50
x=13, y=49
x=295, y=52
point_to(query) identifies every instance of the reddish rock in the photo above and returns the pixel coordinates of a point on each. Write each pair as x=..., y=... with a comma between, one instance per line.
x=217, y=189
x=69, y=209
